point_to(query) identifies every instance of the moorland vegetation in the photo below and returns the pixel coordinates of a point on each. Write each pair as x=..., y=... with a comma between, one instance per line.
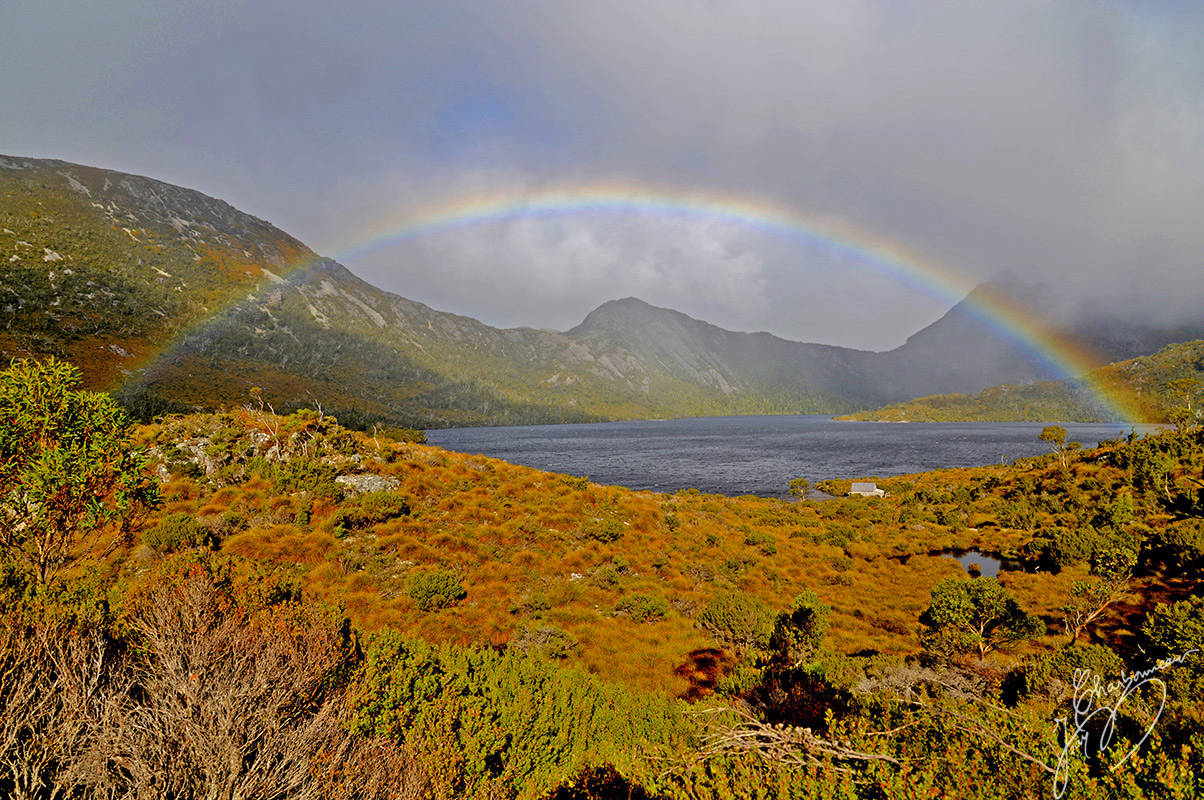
x=245, y=604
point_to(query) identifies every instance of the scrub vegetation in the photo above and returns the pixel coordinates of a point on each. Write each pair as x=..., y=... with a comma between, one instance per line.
x=259, y=605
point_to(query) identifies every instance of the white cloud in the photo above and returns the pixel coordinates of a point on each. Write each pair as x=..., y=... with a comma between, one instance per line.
x=551, y=271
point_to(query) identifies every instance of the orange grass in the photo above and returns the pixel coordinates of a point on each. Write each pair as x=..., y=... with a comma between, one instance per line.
x=535, y=548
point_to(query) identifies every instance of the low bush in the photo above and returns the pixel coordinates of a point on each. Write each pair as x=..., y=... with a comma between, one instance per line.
x=767, y=543
x=644, y=607
x=176, y=532
x=1053, y=673
x=435, y=589
x=738, y=620
x=367, y=510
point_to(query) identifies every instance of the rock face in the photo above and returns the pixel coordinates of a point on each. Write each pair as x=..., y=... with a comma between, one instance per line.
x=178, y=300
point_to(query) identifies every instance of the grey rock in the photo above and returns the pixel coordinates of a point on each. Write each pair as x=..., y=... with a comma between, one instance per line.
x=367, y=482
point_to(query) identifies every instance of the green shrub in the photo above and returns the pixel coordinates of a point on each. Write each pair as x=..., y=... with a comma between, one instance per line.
x=367, y=510
x=799, y=632
x=575, y=483
x=604, y=530
x=1057, y=548
x=1175, y=633
x=176, y=532
x=398, y=434
x=767, y=543
x=977, y=614
x=503, y=724
x=435, y=589
x=308, y=475
x=1053, y=672
x=606, y=578
x=67, y=467
x=738, y=620
x=644, y=607
x=840, y=563
x=546, y=641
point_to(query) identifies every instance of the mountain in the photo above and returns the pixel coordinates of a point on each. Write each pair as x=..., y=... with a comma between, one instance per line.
x=1148, y=382
x=175, y=300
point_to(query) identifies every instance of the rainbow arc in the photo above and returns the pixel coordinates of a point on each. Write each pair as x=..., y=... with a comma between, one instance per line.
x=993, y=308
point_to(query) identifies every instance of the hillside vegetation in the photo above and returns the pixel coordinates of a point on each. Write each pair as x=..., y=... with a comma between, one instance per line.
x=293, y=609
x=1161, y=386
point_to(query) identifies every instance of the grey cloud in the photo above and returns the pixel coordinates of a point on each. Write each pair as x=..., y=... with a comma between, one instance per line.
x=1055, y=141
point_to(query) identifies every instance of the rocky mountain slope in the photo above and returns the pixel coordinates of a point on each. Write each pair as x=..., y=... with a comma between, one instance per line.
x=174, y=299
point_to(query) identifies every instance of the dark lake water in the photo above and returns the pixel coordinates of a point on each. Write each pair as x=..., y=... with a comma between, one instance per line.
x=756, y=455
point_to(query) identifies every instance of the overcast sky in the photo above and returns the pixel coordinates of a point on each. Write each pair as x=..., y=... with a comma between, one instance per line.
x=1060, y=139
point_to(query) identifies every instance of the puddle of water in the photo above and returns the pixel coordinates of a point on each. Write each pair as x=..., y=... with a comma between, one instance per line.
x=989, y=565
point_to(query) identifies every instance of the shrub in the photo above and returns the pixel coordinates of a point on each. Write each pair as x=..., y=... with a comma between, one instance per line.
x=799, y=632
x=67, y=466
x=977, y=614
x=738, y=620
x=308, y=475
x=1053, y=672
x=767, y=543
x=399, y=434
x=604, y=530
x=1175, y=632
x=575, y=483
x=480, y=716
x=176, y=532
x=547, y=641
x=368, y=510
x=644, y=607
x=435, y=589
x=606, y=578
x=1058, y=548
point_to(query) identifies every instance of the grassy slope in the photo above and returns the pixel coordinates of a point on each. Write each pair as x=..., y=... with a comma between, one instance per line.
x=537, y=549
x=1144, y=379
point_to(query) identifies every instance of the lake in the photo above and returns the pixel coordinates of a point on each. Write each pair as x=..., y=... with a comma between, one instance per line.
x=757, y=455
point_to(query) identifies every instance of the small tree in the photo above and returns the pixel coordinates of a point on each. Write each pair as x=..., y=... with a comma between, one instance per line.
x=1113, y=569
x=977, y=614
x=67, y=467
x=799, y=488
x=799, y=632
x=1055, y=437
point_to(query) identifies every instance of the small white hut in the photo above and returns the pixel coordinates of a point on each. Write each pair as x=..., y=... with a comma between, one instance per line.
x=866, y=489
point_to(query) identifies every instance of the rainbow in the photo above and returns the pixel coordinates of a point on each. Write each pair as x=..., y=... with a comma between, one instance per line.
x=993, y=308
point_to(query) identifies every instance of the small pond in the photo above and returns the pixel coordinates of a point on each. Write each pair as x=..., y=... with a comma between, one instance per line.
x=989, y=565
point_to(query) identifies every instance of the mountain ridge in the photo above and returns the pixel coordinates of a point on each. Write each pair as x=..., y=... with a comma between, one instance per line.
x=1155, y=384
x=110, y=269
